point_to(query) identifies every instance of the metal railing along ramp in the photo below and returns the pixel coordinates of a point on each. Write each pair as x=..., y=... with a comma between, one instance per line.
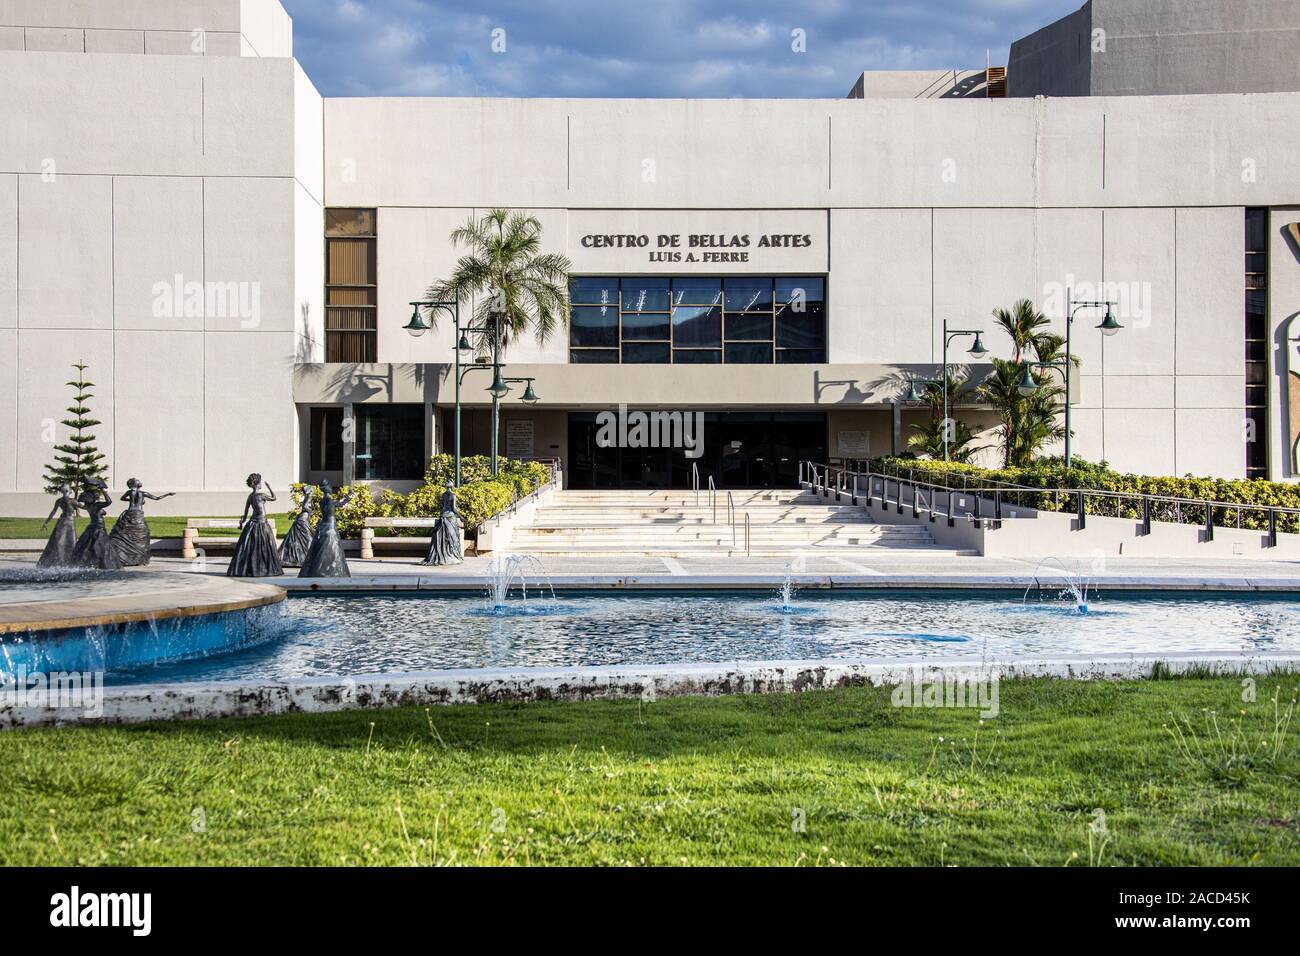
x=708, y=520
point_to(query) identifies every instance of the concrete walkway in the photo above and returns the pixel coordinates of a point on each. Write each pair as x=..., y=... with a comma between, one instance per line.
x=819, y=570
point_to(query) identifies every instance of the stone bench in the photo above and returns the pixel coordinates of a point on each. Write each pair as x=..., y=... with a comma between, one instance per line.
x=190, y=535
x=368, y=538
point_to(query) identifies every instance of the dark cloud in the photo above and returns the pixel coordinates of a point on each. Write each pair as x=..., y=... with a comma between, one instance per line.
x=686, y=48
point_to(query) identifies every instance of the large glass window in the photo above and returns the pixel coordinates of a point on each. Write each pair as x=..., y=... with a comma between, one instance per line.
x=734, y=320
x=389, y=441
x=351, y=324
x=326, y=439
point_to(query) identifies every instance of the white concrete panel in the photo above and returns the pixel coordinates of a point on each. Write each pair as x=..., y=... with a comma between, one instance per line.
x=983, y=260
x=880, y=306
x=1211, y=443
x=55, y=40
x=153, y=371
x=413, y=252
x=249, y=105
x=308, y=135
x=1211, y=289
x=266, y=27
x=65, y=235
x=192, y=42
x=1140, y=440
x=9, y=411
x=114, y=41
x=1089, y=391
x=98, y=114
x=249, y=250
x=46, y=359
x=1211, y=391
x=1089, y=438
x=308, y=276
x=1067, y=254
x=397, y=151
x=1140, y=275
x=8, y=252
x=248, y=421
x=919, y=152
x=12, y=38
x=123, y=14
x=158, y=252
x=1139, y=391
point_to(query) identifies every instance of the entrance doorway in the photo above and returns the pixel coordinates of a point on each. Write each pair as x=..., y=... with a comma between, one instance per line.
x=741, y=450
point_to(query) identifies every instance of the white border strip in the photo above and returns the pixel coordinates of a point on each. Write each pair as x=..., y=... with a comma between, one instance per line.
x=200, y=701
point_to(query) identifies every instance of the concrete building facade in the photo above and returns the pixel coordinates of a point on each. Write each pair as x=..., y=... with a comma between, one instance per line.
x=175, y=221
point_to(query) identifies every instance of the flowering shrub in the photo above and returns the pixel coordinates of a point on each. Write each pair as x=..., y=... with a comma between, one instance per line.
x=479, y=497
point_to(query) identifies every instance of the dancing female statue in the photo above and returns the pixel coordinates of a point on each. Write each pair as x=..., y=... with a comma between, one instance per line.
x=255, y=555
x=445, y=545
x=325, y=556
x=59, y=548
x=130, y=535
x=296, y=543
x=94, y=549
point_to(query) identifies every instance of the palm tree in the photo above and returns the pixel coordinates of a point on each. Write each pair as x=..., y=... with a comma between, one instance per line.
x=1026, y=423
x=929, y=436
x=515, y=287
x=1025, y=325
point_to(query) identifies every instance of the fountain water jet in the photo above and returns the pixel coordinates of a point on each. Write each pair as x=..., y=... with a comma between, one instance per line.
x=1076, y=586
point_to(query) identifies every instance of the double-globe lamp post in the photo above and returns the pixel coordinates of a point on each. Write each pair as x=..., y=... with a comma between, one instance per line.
x=500, y=386
x=977, y=350
x=1029, y=384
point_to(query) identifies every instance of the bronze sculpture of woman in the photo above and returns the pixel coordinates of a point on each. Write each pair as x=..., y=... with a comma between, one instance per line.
x=63, y=541
x=130, y=535
x=294, y=547
x=325, y=556
x=445, y=545
x=94, y=549
x=255, y=555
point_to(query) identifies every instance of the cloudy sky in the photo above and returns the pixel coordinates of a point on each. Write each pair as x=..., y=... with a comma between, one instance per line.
x=688, y=48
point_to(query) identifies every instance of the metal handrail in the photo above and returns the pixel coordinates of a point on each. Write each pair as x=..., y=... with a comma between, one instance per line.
x=713, y=499
x=819, y=476
x=695, y=482
x=731, y=517
x=746, y=534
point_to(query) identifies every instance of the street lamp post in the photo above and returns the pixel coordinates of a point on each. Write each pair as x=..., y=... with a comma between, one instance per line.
x=499, y=388
x=977, y=350
x=1108, y=326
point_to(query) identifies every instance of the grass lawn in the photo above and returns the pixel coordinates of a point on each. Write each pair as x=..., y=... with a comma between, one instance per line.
x=1068, y=774
x=159, y=527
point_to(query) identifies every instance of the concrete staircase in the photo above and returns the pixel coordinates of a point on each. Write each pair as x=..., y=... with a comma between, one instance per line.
x=680, y=523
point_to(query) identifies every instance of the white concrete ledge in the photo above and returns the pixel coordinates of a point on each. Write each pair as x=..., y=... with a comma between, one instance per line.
x=197, y=701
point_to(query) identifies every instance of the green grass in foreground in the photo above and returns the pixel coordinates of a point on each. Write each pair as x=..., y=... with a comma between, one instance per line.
x=160, y=527
x=676, y=781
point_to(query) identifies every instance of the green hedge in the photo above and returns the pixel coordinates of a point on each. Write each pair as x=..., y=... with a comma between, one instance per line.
x=479, y=497
x=1052, y=473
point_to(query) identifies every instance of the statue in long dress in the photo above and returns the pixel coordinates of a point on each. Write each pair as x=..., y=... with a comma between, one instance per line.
x=130, y=535
x=294, y=547
x=325, y=556
x=445, y=545
x=255, y=555
x=94, y=549
x=63, y=541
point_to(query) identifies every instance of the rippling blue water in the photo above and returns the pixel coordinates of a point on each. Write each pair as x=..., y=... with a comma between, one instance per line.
x=325, y=635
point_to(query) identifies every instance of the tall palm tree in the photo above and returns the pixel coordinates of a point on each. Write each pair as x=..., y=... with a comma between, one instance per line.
x=1025, y=325
x=1026, y=423
x=514, y=285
